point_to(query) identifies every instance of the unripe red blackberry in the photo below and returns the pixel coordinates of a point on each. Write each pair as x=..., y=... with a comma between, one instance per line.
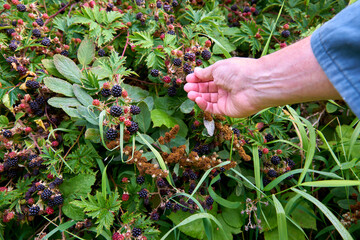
x=116, y=111
x=135, y=110
x=167, y=79
x=96, y=102
x=265, y=150
x=285, y=33
x=116, y=91
x=21, y=7
x=49, y=210
x=111, y=134
x=206, y=55
x=125, y=197
x=7, y=6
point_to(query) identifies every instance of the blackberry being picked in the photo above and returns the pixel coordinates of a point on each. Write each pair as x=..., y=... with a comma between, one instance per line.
x=275, y=160
x=140, y=179
x=172, y=91
x=206, y=55
x=13, y=46
x=177, y=62
x=154, y=73
x=135, y=110
x=111, y=134
x=105, y=92
x=116, y=111
x=101, y=53
x=34, y=210
x=285, y=33
x=199, y=62
x=40, y=22
x=32, y=84
x=45, y=42
x=116, y=91
x=133, y=128
x=46, y=194
x=136, y=232
x=7, y=133
x=272, y=173
x=143, y=193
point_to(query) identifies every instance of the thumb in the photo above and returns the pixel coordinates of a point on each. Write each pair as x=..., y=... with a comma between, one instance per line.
x=204, y=74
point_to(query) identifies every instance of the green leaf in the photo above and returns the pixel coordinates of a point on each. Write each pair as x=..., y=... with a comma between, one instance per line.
x=331, y=183
x=67, y=68
x=160, y=117
x=137, y=94
x=60, y=228
x=72, y=211
x=4, y=121
x=88, y=115
x=59, y=102
x=332, y=218
x=59, y=86
x=187, y=106
x=86, y=51
x=50, y=67
x=92, y=134
x=144, y=118
x=330, y=108
x=82, y=95
x=281, y=219
x=77, y=186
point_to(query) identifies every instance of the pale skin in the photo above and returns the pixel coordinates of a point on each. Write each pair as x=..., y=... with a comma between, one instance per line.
x=240, y=87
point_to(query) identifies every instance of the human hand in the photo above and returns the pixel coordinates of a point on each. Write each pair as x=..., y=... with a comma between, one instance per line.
x=226, y=87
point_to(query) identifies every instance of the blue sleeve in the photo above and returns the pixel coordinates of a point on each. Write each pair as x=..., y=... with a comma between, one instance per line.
x=336, y=46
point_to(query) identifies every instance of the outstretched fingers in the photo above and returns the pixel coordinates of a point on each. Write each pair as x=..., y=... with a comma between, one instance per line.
x=201, y=75
x=208, y=106
x=209, y=97
x=207, y=87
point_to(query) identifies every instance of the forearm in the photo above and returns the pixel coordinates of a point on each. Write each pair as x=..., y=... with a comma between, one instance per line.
x=292, y=75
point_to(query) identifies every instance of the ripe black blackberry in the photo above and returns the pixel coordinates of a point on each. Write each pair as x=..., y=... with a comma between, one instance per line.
x=111, y=134
x=34, y=210
x=199, y=62
x=206, y=55
x=247, y=9
x=21, y=7
x=7, y=133
x=46, y=194
x=61, y=6
x=175, y=3
x=13, y=46
x=116, y=91
x=32, y=156
x=40, y=187
x=269, y=137
x=172, y=19
x=133, y=128
x=272, y=173
x=234, y=7
x=12, y=162
x=172, y=91
x=105, y=92
x=260, y=153
x=136, y=232
x=290, y=163
x=177, y=62
x=45, y=42
x=222, y=169
x=253, y=2
x=135, y=110
x=40, y=22
x=275, y=160
x=192, y=175
x=14, y=23
x=256, y=13
x=167, y=7
x=58, y=181
x=159, y=4
x=139, y=15
x=189, y=56
x=32, y=84
x=285, y=33
x=154, y=73
x=58, y=200
x=187, y=68
x=209, y=201
x=10, y=31
x=101, y=53
x=116, y=111
x=140, y=179
x=12, y=60
x=34, y=105
x=161, y=183
x=64, y=53
x=22, y=70
x=40, y=100
x=169, y=205
x=154, y=216
x=266, y=181
x=171, y=32
x=36, y=33
x=143, y=193
x=109, y=7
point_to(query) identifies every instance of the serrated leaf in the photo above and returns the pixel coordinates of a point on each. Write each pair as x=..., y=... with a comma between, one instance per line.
x=67, y=68
x=82, y=95
x=160, y=117
x=86, y=51
x=59, y=86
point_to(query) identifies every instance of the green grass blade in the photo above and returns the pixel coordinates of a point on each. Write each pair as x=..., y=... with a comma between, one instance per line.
x=266, y=48
x=281, y=219
x=310, y=150
x=329, y=148
x=122, y=141
x=101, y=128
x=246, y=180
x=104, y=182
x=331, y=183
x=257, y=172
x=61, y=228
x=193, y=218
x=220, y=200
x=159, y=158
x=353, y=139
x=300, y=126
x=332, y=218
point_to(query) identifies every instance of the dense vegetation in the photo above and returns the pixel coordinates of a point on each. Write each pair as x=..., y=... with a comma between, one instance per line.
x=99, y=141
